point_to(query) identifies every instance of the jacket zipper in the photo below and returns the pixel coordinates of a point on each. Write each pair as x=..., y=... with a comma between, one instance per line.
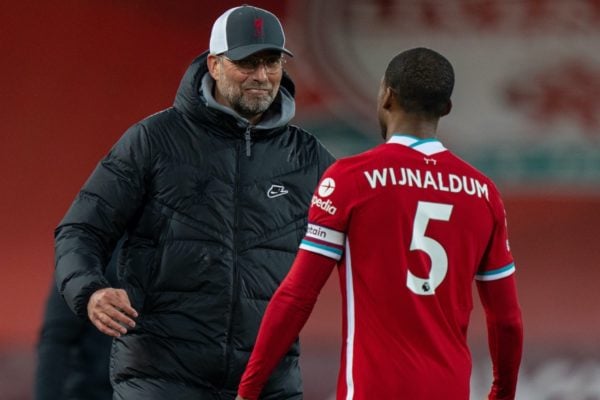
x=248, y=140
x=234, y=278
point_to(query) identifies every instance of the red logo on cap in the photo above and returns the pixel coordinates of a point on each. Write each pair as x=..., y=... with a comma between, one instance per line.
x=258, y=28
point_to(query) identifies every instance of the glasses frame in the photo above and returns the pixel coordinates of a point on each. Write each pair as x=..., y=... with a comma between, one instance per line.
x=256, y=63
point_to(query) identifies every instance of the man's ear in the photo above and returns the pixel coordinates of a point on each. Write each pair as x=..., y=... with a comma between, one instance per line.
x=387, y=101
x=212, y=63
x=447, y=109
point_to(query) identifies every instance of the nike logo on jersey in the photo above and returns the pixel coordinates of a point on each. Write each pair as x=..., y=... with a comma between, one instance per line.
x=276, y=191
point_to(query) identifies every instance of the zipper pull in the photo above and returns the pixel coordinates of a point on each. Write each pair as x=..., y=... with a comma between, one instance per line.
x=248, y=139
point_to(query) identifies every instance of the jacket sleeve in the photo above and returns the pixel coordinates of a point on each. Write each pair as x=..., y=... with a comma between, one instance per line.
x=106, y=203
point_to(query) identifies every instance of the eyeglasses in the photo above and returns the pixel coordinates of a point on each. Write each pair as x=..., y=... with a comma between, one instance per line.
x=248, y=65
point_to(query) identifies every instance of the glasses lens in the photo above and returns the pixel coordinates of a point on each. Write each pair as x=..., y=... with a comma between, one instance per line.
x=273, y=64
x=248, y=65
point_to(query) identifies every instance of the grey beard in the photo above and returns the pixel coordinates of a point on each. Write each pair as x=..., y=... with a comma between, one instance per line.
x=248, y=108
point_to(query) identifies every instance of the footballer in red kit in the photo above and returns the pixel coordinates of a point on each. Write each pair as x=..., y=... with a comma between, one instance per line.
x=409, y=226
x=407, y=297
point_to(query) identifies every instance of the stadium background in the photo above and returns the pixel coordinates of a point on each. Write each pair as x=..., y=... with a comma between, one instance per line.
x=74, y=75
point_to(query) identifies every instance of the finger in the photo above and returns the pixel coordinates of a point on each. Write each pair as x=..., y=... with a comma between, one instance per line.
x=122, y=303
x=127, y=310
x=119, y=318
x=112, y=322
x=107, y=330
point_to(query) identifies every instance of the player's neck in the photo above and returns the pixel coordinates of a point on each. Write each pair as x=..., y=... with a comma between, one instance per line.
x=413, y=126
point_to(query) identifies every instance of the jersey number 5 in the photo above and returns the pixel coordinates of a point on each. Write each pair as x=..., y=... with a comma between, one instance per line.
x=435, y=251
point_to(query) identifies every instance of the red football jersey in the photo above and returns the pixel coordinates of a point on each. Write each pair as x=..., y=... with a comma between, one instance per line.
x=412, y=225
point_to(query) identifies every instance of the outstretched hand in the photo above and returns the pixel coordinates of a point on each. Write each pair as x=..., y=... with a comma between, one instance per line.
x=110, y=311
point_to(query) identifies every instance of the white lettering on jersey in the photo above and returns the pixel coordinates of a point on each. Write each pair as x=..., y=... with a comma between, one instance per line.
x=427, y=180
x=326, y=206
x=378, y=176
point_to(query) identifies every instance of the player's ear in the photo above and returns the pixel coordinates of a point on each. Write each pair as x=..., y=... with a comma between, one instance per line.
x=387, y=99
x=447, y=109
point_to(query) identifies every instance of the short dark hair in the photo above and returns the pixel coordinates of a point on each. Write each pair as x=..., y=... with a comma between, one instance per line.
x=422, y=81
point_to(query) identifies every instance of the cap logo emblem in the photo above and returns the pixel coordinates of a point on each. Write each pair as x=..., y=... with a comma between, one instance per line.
x=258, y=28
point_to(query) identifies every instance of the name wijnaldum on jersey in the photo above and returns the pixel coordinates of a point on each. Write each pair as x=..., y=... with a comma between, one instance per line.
x=444, y=182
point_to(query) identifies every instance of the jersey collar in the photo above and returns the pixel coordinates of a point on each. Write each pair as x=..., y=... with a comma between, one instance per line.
x=426, y=146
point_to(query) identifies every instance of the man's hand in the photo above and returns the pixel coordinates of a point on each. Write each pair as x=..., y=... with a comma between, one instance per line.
x=110, y=311
x=238, y=397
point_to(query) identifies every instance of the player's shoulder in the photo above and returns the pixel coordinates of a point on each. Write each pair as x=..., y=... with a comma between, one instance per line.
x=470, y=170
x=356, y=162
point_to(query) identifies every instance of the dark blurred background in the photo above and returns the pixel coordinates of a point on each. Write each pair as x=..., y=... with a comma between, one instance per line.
x=75, y=74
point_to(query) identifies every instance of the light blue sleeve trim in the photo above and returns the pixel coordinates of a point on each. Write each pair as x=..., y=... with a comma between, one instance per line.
x=323, y=250
x=496, y=273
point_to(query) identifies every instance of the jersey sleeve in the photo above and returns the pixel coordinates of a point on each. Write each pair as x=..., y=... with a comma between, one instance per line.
x=498, y=293
x=498, y=261
x=329, y=213
x=284, y=318
x=505, y=334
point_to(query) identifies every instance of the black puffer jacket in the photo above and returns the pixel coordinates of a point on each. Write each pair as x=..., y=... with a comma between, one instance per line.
x=214, y=210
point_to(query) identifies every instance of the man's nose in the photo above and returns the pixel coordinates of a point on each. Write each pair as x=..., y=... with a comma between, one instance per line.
x=260, y=73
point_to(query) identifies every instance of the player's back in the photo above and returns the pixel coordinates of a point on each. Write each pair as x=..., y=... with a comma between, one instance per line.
x=420, y=229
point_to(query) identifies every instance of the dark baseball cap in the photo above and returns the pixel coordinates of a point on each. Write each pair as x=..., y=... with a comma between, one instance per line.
x=245, y=30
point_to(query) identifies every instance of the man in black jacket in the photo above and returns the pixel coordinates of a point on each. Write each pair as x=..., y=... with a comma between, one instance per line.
x=213, y=195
